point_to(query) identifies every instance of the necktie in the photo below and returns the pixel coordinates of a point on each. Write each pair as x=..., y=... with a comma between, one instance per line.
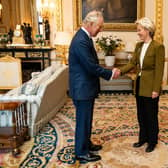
x=91, y=41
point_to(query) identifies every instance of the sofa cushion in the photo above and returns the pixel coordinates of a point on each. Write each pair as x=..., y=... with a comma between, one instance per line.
x=29, y=88
x=5, y=118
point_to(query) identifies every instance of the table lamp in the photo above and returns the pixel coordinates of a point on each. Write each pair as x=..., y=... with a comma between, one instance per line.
x=129, y=48
x=62, y=42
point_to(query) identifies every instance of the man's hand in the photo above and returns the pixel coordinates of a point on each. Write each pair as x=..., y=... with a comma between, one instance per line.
x=116, y=73
x=154, y=94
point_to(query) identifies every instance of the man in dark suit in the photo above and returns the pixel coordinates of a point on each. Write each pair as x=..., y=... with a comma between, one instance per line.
x=84, y=85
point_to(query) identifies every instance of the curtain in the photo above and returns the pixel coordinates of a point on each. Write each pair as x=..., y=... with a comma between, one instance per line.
x=23, y=11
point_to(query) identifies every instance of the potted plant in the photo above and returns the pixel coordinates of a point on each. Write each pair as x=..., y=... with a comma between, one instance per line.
x=109, y=44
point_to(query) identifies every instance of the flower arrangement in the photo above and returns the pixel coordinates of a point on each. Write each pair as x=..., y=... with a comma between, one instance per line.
x=109, y=44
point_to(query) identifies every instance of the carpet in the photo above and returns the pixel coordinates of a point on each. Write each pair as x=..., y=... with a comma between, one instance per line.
x=114, y=126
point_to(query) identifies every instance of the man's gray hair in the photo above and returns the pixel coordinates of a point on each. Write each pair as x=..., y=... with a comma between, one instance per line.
x=92, y=17
x=147, y=24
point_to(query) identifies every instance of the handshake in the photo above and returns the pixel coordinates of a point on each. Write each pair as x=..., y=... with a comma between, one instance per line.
x=116, y=73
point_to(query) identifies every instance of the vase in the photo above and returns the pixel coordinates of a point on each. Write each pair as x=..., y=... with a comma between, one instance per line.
x=110, y=60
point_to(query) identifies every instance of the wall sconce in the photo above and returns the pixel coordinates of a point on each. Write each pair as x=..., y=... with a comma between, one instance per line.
x=62, y=42
x=45, y=8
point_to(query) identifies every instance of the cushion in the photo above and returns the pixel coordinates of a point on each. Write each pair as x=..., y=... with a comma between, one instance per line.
x=29, y=88
x=34, y=74
x=38, y=78
x=5, y=118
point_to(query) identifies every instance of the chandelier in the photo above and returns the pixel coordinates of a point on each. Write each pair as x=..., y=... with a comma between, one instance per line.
x=45, y=8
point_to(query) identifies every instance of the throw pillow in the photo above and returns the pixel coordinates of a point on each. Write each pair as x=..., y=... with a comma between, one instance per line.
x=29, y=88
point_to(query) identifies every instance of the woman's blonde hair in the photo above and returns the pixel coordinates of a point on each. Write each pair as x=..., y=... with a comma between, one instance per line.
x=147, y=24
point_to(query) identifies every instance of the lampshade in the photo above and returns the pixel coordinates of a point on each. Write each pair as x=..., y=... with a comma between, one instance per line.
x=63, y=38
x=62, y=42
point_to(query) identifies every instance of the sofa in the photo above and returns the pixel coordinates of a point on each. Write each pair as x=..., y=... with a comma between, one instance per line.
x=44, y=94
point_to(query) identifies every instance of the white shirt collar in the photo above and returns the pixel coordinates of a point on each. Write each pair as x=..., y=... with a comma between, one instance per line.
x=86, y=31
x=148, y=42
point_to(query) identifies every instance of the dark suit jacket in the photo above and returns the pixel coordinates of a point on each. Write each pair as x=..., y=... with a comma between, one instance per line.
x=84, y=69
x=152, y=69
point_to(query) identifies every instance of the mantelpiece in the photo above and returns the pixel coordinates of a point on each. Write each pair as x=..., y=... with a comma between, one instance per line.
x=44, y=51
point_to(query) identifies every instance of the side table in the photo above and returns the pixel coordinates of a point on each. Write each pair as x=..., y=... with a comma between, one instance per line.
x=13, y=126
x=122, y=83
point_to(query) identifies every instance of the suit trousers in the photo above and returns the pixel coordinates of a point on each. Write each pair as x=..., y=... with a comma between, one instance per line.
x=84, y=117
x=147, y=114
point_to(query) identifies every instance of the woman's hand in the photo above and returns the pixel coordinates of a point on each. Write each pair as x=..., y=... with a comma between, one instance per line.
x=154, y=94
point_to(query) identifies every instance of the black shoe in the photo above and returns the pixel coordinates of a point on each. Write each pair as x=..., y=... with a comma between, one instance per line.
x=95, y=147
x=138, y=144
x=150, y=148
x=88, y=158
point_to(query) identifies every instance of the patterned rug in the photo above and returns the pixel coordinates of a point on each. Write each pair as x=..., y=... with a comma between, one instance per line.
x=114, y=126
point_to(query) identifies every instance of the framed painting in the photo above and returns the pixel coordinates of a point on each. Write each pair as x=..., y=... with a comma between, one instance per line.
x=119, y=15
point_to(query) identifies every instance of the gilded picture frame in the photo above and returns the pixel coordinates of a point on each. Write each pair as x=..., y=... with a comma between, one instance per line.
x=125, y=21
